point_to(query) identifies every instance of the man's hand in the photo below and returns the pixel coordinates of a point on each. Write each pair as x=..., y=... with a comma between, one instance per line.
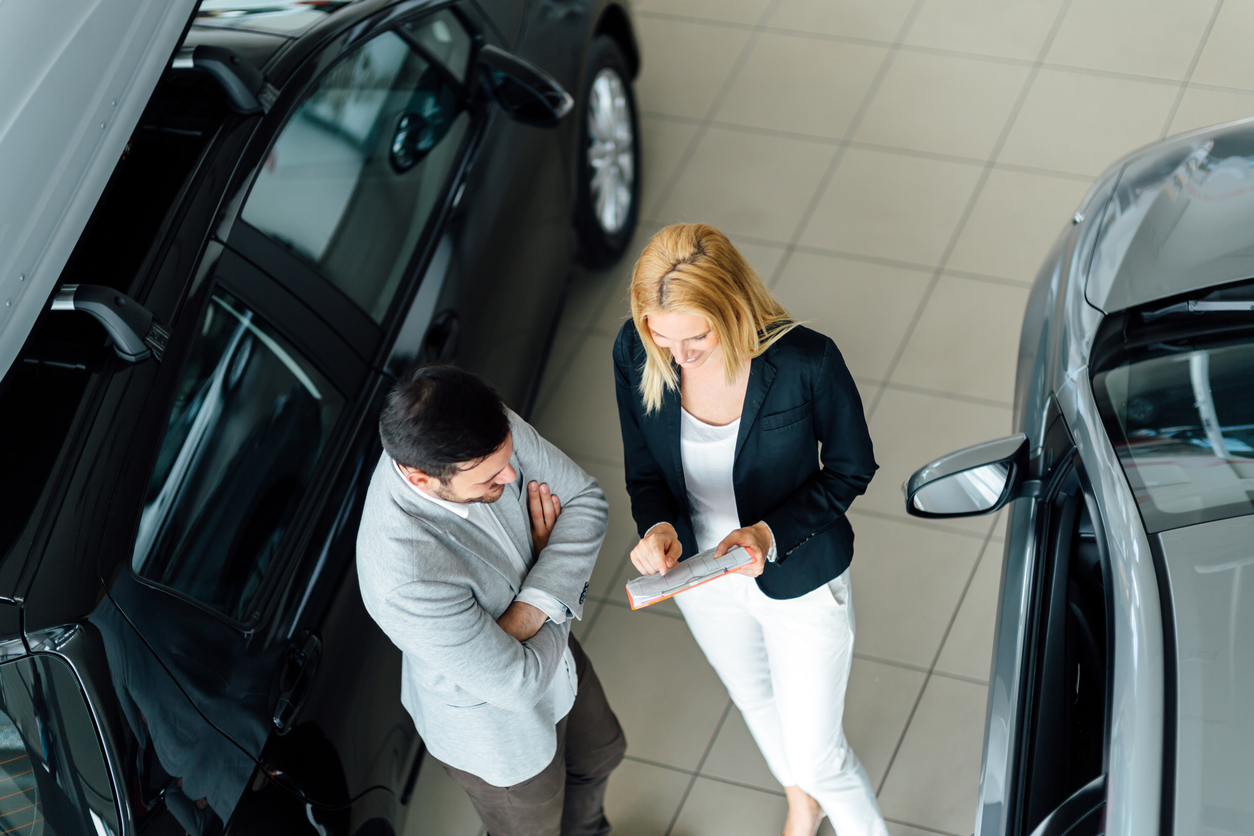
x=757, y=539
x=521, y=620
x=545, y=508
x=658, y=551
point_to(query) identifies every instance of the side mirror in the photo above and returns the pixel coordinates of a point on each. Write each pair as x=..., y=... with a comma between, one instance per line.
x=977, y=480
x=523, y=90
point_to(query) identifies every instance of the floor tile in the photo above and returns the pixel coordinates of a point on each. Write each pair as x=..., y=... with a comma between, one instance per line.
x=1082, y=123
x=1201, y=108
x=664, y=143
x=1015, y=221
x=641, y=799
x=684, y=65
x=1144, y=37
x=802, y=85
x=907, y=581
x=717, y=809
x=440, y=807
x=732, y=11
x=581, y=417
x=667, y=697
x=735, y=756
x=620, y=536
x=985, y=27
x=898, y=829
x=909, y=430
x=864, y=307
x=964, y=342
x=934, y=781
x=748, y=184
x=877, y=705
x=1226, y=59
x=942, y=104
x=968, y=649
x=891, y=206
x=880, y=21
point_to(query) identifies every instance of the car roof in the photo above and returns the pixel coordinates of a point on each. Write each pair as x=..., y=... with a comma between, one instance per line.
x=1180, y=218
x=75, y=85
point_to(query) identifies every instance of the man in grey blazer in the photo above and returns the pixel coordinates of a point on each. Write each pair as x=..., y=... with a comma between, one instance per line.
x=475, y=549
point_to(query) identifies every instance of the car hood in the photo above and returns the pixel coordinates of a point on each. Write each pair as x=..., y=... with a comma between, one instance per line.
x=75, y=84
x=1214, y=617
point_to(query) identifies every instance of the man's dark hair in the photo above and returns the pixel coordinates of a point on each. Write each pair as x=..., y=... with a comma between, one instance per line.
x=439, y=419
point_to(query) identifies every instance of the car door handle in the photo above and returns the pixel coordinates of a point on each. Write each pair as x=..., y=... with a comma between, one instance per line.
x=295, y=674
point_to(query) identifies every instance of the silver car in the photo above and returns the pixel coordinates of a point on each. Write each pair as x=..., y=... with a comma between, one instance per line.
x=1121, y=695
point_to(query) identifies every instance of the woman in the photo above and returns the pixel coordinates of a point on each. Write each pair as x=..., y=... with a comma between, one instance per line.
x=723, y=399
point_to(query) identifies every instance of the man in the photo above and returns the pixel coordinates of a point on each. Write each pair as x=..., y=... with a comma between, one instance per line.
x=474, y=567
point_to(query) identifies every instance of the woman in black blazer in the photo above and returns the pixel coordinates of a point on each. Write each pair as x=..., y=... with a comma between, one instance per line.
x=724, y=401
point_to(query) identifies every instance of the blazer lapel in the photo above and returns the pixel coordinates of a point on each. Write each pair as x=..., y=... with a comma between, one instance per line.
x=511, y=509
x=671, y=405
x=761, y=375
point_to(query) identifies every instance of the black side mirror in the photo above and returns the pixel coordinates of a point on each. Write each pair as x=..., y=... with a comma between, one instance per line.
x=977, y=480
x=523, y=90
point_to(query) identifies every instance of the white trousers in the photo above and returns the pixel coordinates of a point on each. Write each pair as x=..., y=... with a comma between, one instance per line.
x=786, y=665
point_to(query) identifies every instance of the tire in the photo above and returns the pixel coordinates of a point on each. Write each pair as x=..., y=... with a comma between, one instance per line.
x=608, y=203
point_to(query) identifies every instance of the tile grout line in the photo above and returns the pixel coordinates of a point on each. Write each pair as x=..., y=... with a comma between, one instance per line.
x=1011, y=118
x=936, y=658
x=691, y=783
x=851, y=129
x=924, y=828
x=1188, y=74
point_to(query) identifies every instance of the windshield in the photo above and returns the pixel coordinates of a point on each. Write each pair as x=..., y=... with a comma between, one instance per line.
x=1181, y=418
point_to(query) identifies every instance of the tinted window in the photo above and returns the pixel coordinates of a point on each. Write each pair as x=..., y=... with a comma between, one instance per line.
x=443, y=37
x=249, y=421
x=52, y=772
x=358, y=171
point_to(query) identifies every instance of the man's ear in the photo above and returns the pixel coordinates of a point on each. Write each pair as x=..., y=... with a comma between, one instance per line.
x=417, y=478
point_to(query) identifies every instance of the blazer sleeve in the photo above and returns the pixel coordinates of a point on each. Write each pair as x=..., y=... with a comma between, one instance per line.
x=651, y=499
x=847, y=456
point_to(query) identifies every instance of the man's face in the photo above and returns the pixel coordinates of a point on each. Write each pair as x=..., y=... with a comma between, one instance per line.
x=482, y=481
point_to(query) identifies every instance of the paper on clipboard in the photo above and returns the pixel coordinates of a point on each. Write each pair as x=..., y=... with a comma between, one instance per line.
x=696, y=570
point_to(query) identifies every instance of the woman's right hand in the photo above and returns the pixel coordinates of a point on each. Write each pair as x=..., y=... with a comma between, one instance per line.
x=658, y=551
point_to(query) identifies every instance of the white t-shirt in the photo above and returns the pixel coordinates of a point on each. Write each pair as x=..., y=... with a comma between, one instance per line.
x=708, y=454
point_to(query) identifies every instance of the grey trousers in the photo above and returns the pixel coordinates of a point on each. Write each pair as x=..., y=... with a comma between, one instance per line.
x=567, y=797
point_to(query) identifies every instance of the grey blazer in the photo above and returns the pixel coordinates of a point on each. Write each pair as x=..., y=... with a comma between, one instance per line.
x=436, y=584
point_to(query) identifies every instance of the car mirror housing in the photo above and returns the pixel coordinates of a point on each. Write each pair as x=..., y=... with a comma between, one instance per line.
x=523, y=90
x=975, y=480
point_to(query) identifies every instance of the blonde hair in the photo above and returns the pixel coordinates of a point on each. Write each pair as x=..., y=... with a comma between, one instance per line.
x=694, y=269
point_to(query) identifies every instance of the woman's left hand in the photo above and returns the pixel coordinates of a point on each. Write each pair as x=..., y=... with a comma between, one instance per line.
x=757, y=539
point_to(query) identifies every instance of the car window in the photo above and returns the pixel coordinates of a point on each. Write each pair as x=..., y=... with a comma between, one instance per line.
x=445, y=39
x=353, y=179
x=250, y=418
x=52, y=770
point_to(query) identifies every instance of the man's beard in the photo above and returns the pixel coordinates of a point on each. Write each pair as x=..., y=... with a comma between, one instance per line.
x=444, y=493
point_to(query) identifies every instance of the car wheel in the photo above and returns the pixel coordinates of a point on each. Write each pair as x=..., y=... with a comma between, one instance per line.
x=609, y=157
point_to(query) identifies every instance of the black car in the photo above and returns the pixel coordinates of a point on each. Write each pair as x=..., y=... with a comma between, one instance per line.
x=316, y=197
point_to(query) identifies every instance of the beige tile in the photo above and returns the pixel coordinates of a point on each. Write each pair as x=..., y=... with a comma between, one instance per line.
x=967, y=340
x=985, y=27
x=787, y=76
x=879, y=21
x=907, y=580
x=581, y=417
x=1144, y=37
x=566, y=341
x=620, y=536
x=1226, y=60
x=899, y=829
x=440, y=807
x=910, y=430
x=748, y=184
x=717, y=809
x=943, y=104
x=1202, y=108
x=735, y=756
x=683, y=65
x=877, y=704
x=968, y=649
x=665, y=694
x=733, y=11
x=934, y=781
x=1015, y=221
x=1082, y=123
x=892, y=206
x=641, y=799
x=865, y=308
x=664, y=143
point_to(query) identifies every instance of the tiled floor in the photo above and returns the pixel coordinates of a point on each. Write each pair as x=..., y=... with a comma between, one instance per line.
x=896, y=170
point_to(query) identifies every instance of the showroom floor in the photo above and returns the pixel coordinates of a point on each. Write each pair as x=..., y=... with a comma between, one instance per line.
x=896, y=171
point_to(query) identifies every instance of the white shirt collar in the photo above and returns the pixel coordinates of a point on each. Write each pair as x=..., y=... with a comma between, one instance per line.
x=460, y=509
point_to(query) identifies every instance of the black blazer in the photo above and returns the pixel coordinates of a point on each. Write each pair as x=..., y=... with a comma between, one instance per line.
x=799, y=394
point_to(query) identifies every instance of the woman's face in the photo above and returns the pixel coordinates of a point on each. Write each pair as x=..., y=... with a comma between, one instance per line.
x=688, y=337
